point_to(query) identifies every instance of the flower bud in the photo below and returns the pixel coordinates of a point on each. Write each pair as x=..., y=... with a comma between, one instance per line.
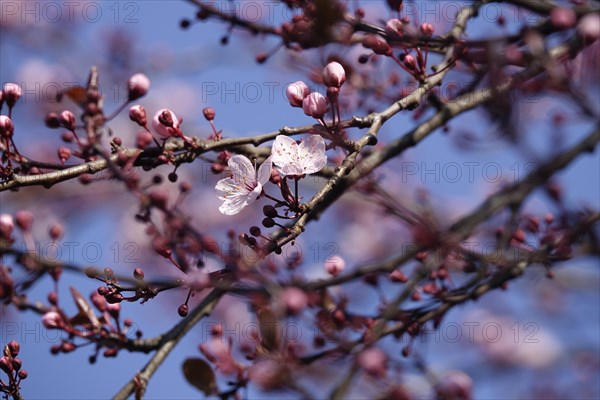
x=334, y=75
x=137, y=114
x=24, y=220
x=165, y=122
x=55, y=231
x=51, y=120
x=114, y=309
x=426, y=29
x=334, y=265
x=296, y=92
x=6, y=365
x=67, y=120
x=589, y=27
x=143, y=140
x=377, y=44
x=14, y=347
x=138, y=86
x=315, y=105
x=23, y=374
x=99, y=301
x=394, y=27
x=52, y=320
x=11, y=93
x=7, y=226
x=209, y=113
x=455, y=385
x=374, y=361
x=563, y=17
x=63, y=154
x=183, y=310
x=138, y=274
x=6, y=127
x=410, y=62
x=294, y=300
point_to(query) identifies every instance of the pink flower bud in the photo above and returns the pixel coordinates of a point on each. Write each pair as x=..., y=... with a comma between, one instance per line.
x=6, y=127
x=24, y=220
x=294, y=300
x=99, y=301
x=334, y=265
x=377, y=44
x=165, y=123
x=394, y=27
x=296, y=92
x=138, y=86
x=7, y=226
x=455, y=385
x=563, y=18
x=374, y=361
x=315, y=105
x=589, y=27
x=410, y=62
x=56, y=231
x=63, y=154
x=143, y=140
x=137, y=114
x=209, y=113
x=426, y=29
x=11, y=93
x=67, y=120
x=114, y=310
x=334, y=75
x=6, y=365
x=14, y=347
x=52, y=320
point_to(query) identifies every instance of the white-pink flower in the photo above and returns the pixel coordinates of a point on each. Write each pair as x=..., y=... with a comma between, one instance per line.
x=334, y=74
x=291, y=158
x=244, y=186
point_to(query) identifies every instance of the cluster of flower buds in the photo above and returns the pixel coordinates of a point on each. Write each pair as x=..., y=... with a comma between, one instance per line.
x=10, y=94
x=315, y=104
x=11, y=365
x=103, y=329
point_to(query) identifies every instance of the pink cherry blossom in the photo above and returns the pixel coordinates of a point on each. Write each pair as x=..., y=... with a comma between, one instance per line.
x=244, y=186
x=291, y=158
x=296, y=92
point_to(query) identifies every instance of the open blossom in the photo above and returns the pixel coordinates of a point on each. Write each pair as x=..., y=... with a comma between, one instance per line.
x=244, y=186
x=291, y=158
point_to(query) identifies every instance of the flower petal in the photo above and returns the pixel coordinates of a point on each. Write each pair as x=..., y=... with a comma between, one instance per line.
x=241, y=168
x=264, y=171
x=284, y=151
x=233, y=206
x=228, y=188
x=312, y=155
